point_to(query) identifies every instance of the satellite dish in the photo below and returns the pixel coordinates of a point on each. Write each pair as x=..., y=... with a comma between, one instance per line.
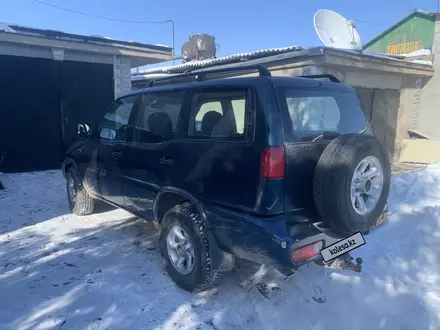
x=336, y=31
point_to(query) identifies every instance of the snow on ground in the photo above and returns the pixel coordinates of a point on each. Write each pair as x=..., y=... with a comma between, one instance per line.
x=60, y=271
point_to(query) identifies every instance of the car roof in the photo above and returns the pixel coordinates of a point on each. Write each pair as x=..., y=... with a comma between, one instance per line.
x=280, y=81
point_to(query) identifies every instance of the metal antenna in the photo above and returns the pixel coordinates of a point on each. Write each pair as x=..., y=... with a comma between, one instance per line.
x=174, y=44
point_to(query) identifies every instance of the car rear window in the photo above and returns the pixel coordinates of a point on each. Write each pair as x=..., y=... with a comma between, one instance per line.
x=314, y=112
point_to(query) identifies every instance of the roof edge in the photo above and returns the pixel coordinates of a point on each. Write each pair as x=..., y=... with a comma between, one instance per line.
x=392, y=64
x=67, y=36
x=141, y=53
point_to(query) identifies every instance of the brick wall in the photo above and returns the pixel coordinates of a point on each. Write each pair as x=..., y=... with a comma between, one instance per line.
x=122, y=75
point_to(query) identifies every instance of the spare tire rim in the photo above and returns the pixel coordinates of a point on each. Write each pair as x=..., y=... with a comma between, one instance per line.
x=366, y=185
x=180, y=250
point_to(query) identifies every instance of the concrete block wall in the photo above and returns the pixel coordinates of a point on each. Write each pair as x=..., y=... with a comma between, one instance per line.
x=408, y=106
x=121, y=75
x=380, y=108
x=416, y=104
x=427, y=119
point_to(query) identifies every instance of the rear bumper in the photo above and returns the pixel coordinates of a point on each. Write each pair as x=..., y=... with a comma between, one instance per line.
x=266, y=240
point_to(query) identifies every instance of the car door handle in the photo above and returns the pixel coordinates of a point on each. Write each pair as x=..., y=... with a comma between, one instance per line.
x=117, y=154
x=166, y=160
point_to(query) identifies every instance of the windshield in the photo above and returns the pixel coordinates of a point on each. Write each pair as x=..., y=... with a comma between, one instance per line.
x=313, y=112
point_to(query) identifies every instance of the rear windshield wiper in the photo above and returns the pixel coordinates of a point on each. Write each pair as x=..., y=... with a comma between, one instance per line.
x=327, y=135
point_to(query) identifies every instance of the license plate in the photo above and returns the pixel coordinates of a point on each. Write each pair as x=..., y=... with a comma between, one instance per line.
x=343, y=246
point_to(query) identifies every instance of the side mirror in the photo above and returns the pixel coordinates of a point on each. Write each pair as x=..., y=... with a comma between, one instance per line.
x=107, y=133
x=84, y=130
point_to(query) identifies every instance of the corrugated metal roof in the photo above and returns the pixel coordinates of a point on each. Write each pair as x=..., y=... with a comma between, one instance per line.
x=265, y=60
x=221, y=60
x=149, y=76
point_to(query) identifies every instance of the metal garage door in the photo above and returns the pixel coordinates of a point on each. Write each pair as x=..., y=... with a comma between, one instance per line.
x=86, y=91
x=30, y=130
x=41, y=103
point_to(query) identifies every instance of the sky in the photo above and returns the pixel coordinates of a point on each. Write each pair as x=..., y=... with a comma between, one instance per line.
x=238, y=25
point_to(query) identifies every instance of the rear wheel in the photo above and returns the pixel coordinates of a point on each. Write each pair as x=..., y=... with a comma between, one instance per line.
x=184, y=245
x=352, y=182
x=80, y=202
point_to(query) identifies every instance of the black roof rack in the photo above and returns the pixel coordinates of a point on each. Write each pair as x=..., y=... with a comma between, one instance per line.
x=201, y=75
x=330, y=77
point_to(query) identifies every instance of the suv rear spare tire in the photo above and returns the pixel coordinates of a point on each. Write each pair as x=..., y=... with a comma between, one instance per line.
x=352, y=182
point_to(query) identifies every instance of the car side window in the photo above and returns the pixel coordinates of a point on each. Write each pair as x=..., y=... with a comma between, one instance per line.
x=209, y=106
x=159, y=117
x=114, y=124
x=218, y=115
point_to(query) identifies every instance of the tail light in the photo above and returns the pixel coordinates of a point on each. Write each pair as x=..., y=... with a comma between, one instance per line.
x=273, y=163
x=306, y=252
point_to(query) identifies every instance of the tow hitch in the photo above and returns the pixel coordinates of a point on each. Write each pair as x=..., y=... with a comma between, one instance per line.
x=344, y=262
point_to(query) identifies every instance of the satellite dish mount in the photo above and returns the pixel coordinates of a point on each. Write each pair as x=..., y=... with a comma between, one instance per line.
x=352, y=26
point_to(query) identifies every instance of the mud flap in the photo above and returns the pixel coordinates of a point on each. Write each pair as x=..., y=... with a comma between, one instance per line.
x=221, y=261
x=343, y=262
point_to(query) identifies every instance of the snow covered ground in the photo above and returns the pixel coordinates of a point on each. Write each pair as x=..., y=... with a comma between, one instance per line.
x=60, y=271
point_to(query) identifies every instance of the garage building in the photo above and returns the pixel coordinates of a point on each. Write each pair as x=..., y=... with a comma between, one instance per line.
x=52, y=81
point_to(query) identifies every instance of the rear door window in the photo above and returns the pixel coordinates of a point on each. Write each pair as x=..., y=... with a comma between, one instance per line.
x=311, y=113
x=159, y=117
x=205, y=108
x=218, y=115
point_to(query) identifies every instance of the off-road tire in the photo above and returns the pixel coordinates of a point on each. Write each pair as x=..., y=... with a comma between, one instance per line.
x=332, y=182
x=84, y=203
x=202, y=276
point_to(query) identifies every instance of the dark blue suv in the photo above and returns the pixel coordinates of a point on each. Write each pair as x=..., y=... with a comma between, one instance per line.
x=276, y=170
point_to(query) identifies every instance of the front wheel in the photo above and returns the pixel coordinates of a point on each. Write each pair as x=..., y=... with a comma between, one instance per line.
x=80, y=202
x=184, y=245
